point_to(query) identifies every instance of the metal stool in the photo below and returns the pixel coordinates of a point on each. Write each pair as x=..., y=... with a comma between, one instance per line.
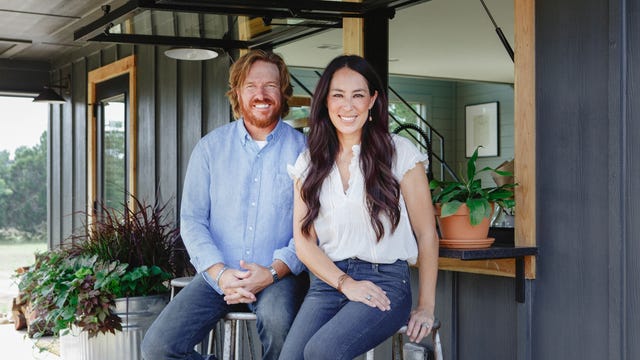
x=396, y=344
x=179, y=283
x=232, y=340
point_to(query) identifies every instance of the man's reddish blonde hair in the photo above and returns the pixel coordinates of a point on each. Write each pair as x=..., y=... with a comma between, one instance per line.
x=240, y=69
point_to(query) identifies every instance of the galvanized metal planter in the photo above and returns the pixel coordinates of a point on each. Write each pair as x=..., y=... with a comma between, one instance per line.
x=137, y=314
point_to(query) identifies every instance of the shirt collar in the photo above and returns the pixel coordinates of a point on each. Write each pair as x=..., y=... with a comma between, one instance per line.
x=246, y=137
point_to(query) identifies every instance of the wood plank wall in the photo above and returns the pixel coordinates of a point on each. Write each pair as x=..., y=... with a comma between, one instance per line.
x=177, y=103
x=587, y=302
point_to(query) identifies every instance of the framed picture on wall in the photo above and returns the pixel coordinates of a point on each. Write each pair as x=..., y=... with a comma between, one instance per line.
x=481, y=126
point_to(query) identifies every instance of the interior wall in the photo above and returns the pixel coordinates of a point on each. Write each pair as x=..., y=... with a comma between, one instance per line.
x=471, y=93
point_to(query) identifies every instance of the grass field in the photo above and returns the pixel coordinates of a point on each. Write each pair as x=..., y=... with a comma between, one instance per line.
x=13, y=256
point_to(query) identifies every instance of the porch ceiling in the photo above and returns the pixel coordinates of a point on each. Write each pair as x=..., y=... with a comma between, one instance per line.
x=437, y=38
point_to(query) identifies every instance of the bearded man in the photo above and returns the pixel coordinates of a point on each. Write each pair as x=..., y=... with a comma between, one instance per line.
x=236, y=219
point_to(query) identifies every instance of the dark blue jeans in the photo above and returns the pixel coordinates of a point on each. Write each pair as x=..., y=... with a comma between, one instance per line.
x=187, y=319
x=329, y=326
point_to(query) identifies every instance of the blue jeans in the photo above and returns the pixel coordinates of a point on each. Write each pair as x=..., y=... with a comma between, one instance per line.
x=330, y=326
x=189, y=317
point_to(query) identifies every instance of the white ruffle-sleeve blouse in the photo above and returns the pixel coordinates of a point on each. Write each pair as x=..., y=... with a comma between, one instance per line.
x=343, y=225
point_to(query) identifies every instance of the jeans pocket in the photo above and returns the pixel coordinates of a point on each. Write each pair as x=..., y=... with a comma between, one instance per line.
x=395, y=275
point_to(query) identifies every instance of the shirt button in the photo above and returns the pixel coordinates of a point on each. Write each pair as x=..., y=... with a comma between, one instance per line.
x=253, y=203
x=255, y=180
x=250, y=228
x=248, y=252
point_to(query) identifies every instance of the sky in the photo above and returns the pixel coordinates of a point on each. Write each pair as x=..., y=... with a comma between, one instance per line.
x=21, y=122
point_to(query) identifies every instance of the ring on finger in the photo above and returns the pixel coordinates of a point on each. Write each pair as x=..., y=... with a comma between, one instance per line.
x=369, y=297
x=425, y=324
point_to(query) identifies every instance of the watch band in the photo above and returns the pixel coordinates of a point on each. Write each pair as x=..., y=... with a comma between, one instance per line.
x=274, y=274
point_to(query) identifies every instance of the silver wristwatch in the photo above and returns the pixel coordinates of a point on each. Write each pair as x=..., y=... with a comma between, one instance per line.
x=274, y=273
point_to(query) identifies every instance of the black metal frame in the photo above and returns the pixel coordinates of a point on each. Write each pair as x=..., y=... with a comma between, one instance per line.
x=330, y=12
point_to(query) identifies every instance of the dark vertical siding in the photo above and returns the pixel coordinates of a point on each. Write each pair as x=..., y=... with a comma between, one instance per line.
x=190, y=114
x=177, y=103
x=167, y=128
x=146, y=106
x=486, y=318
x=216, y=108
x=54, y=171
x=570, y=311
x=79, y=99
x=630, y=91
x=66, y=162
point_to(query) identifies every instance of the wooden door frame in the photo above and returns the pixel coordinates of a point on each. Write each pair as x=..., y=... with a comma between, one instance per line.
x=120, y=67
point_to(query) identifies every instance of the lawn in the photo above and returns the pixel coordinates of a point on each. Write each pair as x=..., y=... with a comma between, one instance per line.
x=13, y=256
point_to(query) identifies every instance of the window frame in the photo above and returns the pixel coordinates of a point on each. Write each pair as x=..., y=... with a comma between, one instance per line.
x=120, y=67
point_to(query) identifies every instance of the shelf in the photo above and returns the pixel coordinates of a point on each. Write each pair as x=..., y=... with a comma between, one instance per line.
x=499, y=251
x=494, y=252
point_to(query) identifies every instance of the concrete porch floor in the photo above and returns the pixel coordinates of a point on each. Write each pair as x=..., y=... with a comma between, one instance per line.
x=15, y=345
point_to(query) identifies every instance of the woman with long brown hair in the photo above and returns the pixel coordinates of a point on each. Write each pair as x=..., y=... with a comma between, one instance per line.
x=362, y=215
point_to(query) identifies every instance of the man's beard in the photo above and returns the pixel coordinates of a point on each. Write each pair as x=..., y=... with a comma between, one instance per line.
x=261, y=122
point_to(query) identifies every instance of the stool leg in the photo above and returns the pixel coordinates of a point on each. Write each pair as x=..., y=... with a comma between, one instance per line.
x=437, y=346
x=227, y=352
x=396, y=347
x=237, y=346
x=370, y=355
x=252, y=352
x=211, y=344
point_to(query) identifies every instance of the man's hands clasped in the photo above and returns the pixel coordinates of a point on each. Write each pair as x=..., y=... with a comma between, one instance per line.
x=240, y=286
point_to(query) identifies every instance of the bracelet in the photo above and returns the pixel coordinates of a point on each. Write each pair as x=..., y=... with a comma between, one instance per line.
x=341, y=280
x=274, y=274
x=224, y=268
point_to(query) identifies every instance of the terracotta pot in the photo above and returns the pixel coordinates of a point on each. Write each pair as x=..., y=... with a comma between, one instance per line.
x=457, y=227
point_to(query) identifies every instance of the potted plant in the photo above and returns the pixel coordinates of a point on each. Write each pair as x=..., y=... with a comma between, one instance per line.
x=464, y=207
x=108, y=285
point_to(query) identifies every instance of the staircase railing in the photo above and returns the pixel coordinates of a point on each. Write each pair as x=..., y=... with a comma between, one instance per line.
x=429, y=132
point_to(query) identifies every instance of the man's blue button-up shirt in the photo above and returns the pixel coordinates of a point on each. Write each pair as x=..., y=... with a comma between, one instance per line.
x=237, y=201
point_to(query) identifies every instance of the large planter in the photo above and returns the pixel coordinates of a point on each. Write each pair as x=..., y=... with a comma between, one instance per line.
x=456, y=231
x=137, y=314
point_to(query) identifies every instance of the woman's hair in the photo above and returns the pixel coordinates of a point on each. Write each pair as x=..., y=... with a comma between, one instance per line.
x=377, y=150
x=240, y=69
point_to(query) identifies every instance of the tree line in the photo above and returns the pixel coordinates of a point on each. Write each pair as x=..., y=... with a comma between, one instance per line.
x=23, y=191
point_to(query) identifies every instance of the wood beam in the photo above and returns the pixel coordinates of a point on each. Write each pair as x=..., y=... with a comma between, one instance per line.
x=525, y=125
x=353, y=35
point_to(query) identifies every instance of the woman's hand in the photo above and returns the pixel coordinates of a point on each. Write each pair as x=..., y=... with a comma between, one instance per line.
x=420, y=324
x=367, y=293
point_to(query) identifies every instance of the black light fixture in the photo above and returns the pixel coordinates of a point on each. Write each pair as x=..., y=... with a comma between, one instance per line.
x=50, y=96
